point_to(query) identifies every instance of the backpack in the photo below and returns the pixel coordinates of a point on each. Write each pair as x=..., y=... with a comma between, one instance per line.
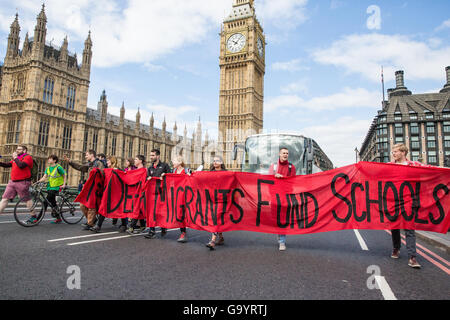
x=34, y=171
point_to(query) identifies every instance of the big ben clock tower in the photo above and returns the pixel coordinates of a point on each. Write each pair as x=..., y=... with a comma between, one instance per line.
x=242, y=68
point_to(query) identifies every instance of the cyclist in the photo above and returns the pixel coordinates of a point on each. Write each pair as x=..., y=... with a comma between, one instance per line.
x=21, y=166
x=56, y=176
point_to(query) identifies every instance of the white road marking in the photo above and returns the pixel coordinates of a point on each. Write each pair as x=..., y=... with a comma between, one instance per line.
x=112, y=238
x=3, y=222
x=103, y=239
x=385, y=289
x=84, y=236
x=361, y=241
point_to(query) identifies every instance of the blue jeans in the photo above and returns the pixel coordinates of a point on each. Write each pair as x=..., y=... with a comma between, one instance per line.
x=281, y=238
x=410, y=236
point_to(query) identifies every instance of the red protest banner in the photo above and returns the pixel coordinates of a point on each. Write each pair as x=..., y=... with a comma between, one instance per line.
x=361, y=196
x=92, y=191
x=123, y=193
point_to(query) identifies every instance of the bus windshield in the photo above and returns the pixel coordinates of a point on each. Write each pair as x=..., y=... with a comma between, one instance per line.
x=261, y=151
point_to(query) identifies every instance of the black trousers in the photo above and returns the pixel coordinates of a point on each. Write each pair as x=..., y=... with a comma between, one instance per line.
x=51, y=197
x=135, y=221
x=101, y=219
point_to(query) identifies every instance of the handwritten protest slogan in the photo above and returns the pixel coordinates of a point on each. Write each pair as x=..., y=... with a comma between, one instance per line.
x=362, y=196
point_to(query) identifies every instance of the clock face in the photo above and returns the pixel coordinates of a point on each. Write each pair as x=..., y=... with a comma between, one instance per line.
x=259, y=44
x=236, y=42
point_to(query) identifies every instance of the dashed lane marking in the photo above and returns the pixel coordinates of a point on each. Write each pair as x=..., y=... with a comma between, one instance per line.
x=361, y=241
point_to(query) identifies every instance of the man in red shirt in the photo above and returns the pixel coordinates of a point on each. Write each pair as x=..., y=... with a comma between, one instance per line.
x=21, y=165
x=282, y=169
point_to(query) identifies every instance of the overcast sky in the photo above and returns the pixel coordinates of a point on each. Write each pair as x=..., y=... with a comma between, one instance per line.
x=323, y=58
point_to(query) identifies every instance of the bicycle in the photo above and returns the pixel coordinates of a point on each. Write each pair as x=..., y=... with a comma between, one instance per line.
x=65, y=207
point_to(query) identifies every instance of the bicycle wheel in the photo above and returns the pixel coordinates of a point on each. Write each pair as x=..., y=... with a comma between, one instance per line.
x=22, y=213
x=69, y=211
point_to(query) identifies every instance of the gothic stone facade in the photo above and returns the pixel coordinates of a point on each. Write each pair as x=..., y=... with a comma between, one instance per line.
x=43, y=105
x=421, y=121
x=242, y=69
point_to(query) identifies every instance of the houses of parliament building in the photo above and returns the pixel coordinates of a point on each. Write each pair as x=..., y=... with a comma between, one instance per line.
x=43, y=105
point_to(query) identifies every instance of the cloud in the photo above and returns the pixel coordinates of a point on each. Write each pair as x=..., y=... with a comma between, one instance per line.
x=348, y=98
x=364, y=54
x=141, y=31
x=153, y=67
x=291, y=66
x=299, y=86
x=339, y=138
x=284, y=14
x=444, y=25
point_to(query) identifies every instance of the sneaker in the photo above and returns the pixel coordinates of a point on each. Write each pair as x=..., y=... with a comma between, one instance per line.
x=122, y=229
x=130, y=230
x=395, y=254
x=211, y=245
x=282, y=247
x=96, y=229
x=87, y=228
x=182, y=238
x=32, y=220
x=56, y=221
x=150, y=235
x=413, y=263
x=221, y=240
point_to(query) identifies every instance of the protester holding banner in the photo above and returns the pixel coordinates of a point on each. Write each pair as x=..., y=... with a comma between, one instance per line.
x=111, y=162
x=129, y=165
x=139, y=163
x=156, y=169
x=399, y=153
x=179, y=167
x=21, y=166
x=283, y=168
x=102, y=158
x=217, y=165
x=56, y=176
x=92, y=162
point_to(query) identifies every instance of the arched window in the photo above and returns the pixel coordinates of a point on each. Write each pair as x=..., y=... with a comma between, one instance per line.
x=20, y=83
x=48, y=90
x=71, y=93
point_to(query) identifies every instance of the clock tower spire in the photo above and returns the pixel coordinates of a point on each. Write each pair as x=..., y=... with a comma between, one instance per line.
x=242, y=69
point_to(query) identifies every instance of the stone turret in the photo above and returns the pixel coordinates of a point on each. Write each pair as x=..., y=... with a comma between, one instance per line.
x=87, y=55
x=13, y=39
x=40, y=33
